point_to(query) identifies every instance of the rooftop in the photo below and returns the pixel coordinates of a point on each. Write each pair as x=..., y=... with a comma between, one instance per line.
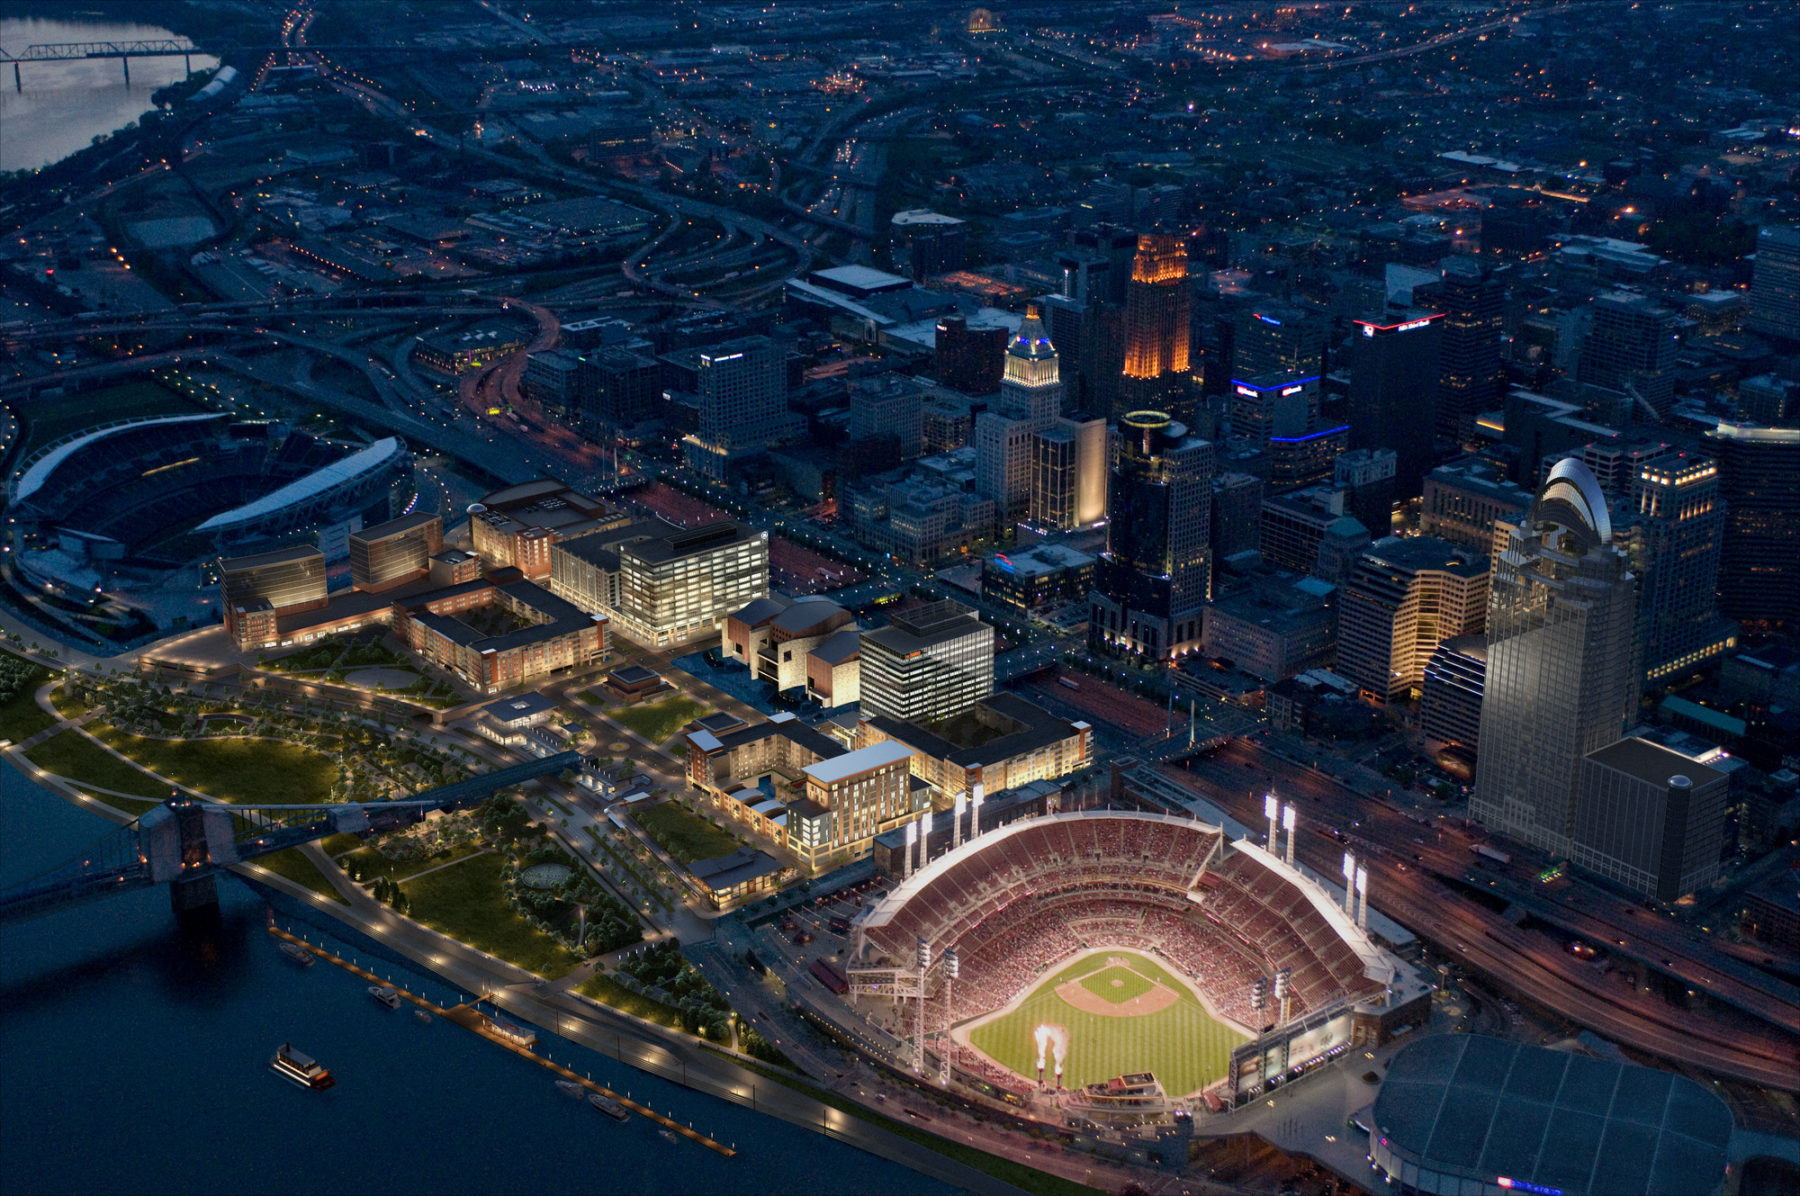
x=1480, y=1107
x=839, y=768
x=1653, y=763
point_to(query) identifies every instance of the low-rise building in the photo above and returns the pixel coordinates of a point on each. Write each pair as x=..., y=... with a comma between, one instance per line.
x=519, y=525
x=1001, y=742
x=1464, y=499
x=834, y=669
x=507, y=720
x=776, y=636
x=547, y=633
x=1040, y=576
x=1274, y=631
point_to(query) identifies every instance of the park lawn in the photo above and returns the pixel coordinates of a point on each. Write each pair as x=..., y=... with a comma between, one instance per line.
x=234, y=770
x=20, y=715
x=684, y=835
x=656, y=721
x=468, y=903
x=1183, y=1044
x=374, y=864
x=607, y=991
x=336, y=845
x=292, y=864
x=73, y=755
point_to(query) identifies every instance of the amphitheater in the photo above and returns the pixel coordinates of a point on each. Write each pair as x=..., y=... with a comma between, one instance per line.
x=1145, y=934
x=136, y=500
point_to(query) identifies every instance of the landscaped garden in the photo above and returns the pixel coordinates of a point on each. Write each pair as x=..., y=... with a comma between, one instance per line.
x=20, y=715
x=656, y=721
x=685, y=835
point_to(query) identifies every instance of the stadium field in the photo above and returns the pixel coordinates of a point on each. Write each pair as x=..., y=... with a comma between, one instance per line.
x=1122, y=1012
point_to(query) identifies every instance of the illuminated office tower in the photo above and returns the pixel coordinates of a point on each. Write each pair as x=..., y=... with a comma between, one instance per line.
x=257, y=590
x=1278, y=339
x=1471, y=376
x=1562, y=677
x=1403, y=599
x=1155, y=376
x=1030, y=399
x=393, y=553
x=927, y=664
x=1155, y=577
x=1775, y=284
x=1676, y=527
x=743, y=397
x=1393, y=391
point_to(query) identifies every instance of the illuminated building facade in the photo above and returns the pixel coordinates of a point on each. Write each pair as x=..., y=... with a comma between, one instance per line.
x=1404, y=598
x=1677, y=525
x=928, y=664
x=1393, y=391
x=1157, y=304
x=1562, y=676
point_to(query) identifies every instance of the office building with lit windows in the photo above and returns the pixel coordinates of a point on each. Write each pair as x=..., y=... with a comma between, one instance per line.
x=396, y=552
x=1759, y=564
x=928, y=664
x=1562, y=675
x=1471, y=375
x=1673, y=535
x=682, y=584
x=1155, y=577
x=1403, y=599
x=1450, y=700
x=518, y=526
x=256, y=590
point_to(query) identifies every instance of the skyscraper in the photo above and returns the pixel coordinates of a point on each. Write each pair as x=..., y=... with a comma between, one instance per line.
x=1676, y=528
x=969, y=359
x=1068, y=483
x=1030, y=399
x=1775, y=284
x=1278, y=339
x=1631, y=345
x=1393, y=391
x=1471, y=377
x=1561, y=676
x=1759, y=565
x=742, y=402
x=1403, y=599
x=1155, y=576
x=1157, y=304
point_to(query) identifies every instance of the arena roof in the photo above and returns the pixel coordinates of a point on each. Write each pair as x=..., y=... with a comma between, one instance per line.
x=317, y=482
x=1474, y=1107
x=44, y=466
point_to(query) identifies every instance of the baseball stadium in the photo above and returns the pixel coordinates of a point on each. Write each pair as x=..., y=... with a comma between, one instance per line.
x=1124, y=964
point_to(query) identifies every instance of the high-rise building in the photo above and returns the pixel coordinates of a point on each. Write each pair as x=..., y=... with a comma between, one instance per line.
x=1631, y=346
x=1366, y=478
x=928, y=242
x=1759, y=565
x=1403, y=599
x=393, y=553
x=1769, y=399
x=1155, y=576
x=617, y=388
x=1562, y=679
x=1450, y=701
x=256, y=590
x=1157, y=306
x=1775, y=283
x=1676, y=529
x=1030, y=399
x=683, y=584
x=1068, y=487
x=1393, y=391
x=1650, y=818
x=1471, y=375
x=928, y=664
x=742, y=404
x=889, y=405
x=1278, y=339
x=1279, y=414
x=1237, y=500
x=970, y=359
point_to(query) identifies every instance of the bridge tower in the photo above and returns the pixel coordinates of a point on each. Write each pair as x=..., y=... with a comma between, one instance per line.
x=180, y=842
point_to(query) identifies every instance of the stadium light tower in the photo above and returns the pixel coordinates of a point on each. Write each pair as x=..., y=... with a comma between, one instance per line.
x=923, y=959
x=1362, y=897
x=1284, y=995
x=956, y=821
x=925, y=839
x=976, y=794
x=952, y=970
x=912, y=838
x=1287, y=824
x=1271, y=811
x=1350, y=884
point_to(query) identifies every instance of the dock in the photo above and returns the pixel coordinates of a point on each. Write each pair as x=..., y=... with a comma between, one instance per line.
x=472, y=1019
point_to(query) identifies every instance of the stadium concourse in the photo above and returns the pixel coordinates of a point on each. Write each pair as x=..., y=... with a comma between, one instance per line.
x=1104, y=921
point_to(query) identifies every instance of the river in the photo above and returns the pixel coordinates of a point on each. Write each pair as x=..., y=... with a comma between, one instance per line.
x=65, y=105
x=134, y=1058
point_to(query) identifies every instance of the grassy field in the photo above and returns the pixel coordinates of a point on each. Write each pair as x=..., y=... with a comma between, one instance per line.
x=234, y=770
x=372, y=863
x=608, y=991
x=1184, y=1045
x=20, y=715
x=73, y=755
x=297, y=868
x=468, y=904
x=686, y=836
x=656, y=721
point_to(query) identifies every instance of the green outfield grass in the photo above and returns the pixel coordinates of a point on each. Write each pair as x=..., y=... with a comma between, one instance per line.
x=1183, y=1044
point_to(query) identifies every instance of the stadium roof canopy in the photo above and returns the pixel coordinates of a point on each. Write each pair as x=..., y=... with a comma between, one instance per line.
x=47, y=464
x=1510, y=1116
x=317, y=482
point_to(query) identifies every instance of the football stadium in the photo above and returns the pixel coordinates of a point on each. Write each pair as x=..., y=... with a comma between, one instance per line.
x=135, y=501
x=1123, y=965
